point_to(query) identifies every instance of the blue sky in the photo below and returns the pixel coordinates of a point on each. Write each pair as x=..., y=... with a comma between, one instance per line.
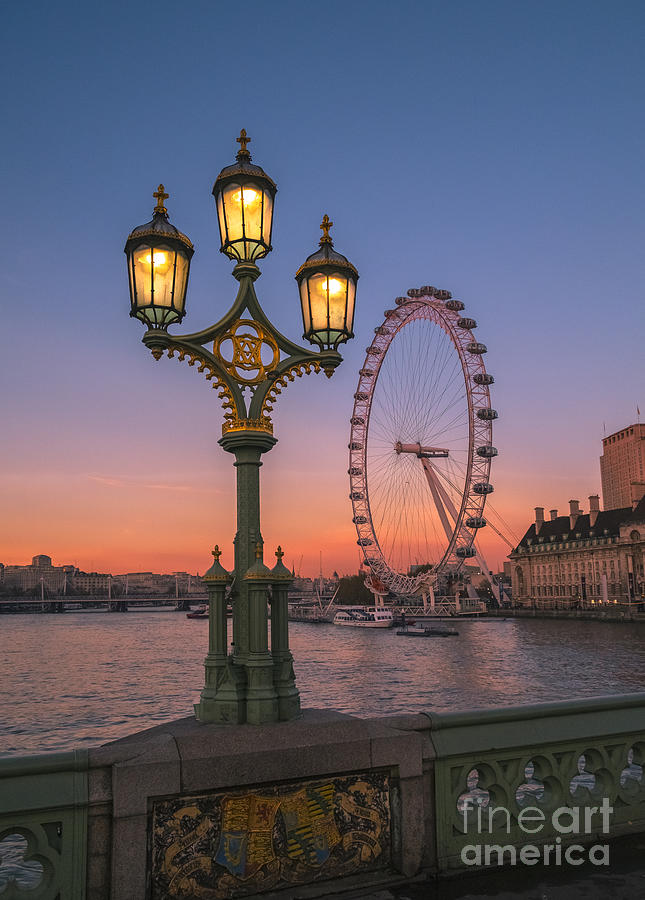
x=494, y=149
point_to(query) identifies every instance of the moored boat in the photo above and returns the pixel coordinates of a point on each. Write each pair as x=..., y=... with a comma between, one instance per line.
x=429, y=631
x=365, y=616
x=200, y=613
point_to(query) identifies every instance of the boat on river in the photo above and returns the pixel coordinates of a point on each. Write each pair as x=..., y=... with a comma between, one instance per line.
x=428, y=631
x=365, y=616
x=200, y=613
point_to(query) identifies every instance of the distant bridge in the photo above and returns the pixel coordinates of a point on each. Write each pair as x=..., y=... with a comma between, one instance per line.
x=74, y=603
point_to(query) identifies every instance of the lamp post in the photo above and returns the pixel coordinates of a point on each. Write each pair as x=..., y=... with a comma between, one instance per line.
x=249, y=363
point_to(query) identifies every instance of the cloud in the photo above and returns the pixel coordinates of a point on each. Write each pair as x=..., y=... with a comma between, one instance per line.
x=120, y=482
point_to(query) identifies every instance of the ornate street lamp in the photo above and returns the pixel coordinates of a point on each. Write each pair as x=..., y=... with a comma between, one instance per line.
x=327, y=283
x=249, y=362
x=244, y=194
x=158, y=263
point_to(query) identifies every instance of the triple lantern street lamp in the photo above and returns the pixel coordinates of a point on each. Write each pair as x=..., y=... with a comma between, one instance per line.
x=249, y=362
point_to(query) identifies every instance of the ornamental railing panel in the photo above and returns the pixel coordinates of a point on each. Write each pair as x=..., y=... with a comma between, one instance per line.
x=43, y=826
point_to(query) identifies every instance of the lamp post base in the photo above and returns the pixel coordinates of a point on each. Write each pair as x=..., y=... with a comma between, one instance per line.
x=284, y=680
x=261, y=697
x=224, y=702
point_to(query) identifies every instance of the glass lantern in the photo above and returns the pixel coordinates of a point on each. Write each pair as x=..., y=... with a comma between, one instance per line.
x=327, y=284
x=244, y=195
x=158, y=264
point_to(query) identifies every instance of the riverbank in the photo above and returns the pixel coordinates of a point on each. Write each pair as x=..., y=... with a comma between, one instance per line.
x=588, y=615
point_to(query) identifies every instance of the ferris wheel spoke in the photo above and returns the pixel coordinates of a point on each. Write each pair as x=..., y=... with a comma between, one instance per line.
x=457, y=422
x=452, y=395
x=448, y=402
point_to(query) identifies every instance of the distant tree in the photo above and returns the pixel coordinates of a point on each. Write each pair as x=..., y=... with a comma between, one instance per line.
x=352, y=591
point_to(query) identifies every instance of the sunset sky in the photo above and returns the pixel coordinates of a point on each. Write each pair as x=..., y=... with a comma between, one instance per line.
x=493, y=149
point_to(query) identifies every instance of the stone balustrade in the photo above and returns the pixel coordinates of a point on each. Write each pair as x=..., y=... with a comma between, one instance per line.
x=329, y=801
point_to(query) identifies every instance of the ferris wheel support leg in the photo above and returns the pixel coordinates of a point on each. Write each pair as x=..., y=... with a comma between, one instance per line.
x=429, y=601
x=435, y=488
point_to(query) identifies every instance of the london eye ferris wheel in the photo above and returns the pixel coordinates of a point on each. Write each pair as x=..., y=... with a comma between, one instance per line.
x=420, y=443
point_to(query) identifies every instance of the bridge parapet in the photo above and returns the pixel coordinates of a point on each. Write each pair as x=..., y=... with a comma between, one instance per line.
x=504, y=777
x=393, y=797
x=43, y=826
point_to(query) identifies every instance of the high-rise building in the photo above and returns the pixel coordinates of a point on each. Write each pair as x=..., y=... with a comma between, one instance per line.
x=622, y=467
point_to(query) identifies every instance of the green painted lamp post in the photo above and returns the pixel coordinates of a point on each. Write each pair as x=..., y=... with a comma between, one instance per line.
x=249, y=363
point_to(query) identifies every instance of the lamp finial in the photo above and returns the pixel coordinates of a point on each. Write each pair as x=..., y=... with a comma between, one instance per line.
x=216, y=552
x=160, y=196
x=243, y=140
x=326, y=225
x=279, y=553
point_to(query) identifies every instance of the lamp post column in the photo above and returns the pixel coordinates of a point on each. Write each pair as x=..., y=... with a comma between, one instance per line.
x=252, y=664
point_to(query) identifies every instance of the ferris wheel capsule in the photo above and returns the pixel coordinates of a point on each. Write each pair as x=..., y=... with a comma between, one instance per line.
x=465, y=552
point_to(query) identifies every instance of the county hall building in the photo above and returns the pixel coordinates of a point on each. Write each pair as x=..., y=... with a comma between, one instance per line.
x=593, y=558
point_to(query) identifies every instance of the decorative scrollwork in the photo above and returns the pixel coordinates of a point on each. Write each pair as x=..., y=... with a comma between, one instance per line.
x=247, y=353
x=205, y=366
x=295, y=371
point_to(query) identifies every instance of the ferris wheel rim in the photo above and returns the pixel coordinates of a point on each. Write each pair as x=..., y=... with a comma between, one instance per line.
x=439, y=308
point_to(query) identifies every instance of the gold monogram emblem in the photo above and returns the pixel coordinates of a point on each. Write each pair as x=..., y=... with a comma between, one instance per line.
x=247, y=351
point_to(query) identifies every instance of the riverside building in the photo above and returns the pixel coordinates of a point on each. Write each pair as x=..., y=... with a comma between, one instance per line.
x=581, y=560
x=40, y=572
x=622, y=467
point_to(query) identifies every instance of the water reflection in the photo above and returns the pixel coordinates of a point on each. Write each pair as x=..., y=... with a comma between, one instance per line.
x=86, y=678
x=14, y=868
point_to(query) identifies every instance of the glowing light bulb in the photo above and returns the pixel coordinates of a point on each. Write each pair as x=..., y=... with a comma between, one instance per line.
x=247, y=196
x=156, y=259
x=335, y=287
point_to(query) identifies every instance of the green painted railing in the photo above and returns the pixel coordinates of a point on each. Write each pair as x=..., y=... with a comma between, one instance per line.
x=584, y=755
x=43, y=826
x=503, y=778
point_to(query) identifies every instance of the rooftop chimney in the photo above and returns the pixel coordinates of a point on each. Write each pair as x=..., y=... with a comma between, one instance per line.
x=574, y=512
x=554, y=514
x=594, y=509
x=539, y=518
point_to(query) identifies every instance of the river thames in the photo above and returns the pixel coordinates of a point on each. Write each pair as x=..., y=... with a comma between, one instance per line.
x=85, y=678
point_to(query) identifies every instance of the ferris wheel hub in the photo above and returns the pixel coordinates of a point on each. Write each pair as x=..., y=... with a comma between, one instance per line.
x=422, y=452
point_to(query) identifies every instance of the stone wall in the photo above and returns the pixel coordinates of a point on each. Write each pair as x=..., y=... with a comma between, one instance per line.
x=326, y=802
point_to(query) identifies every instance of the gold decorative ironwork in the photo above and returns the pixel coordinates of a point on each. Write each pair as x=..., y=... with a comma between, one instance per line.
x=243, y=140
x=246, y=355
x=295, y=371
x=279, y=552
x=263, y=424
x=228, y=404
x=216, y=552
x=326, y=225
x=160, y=196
